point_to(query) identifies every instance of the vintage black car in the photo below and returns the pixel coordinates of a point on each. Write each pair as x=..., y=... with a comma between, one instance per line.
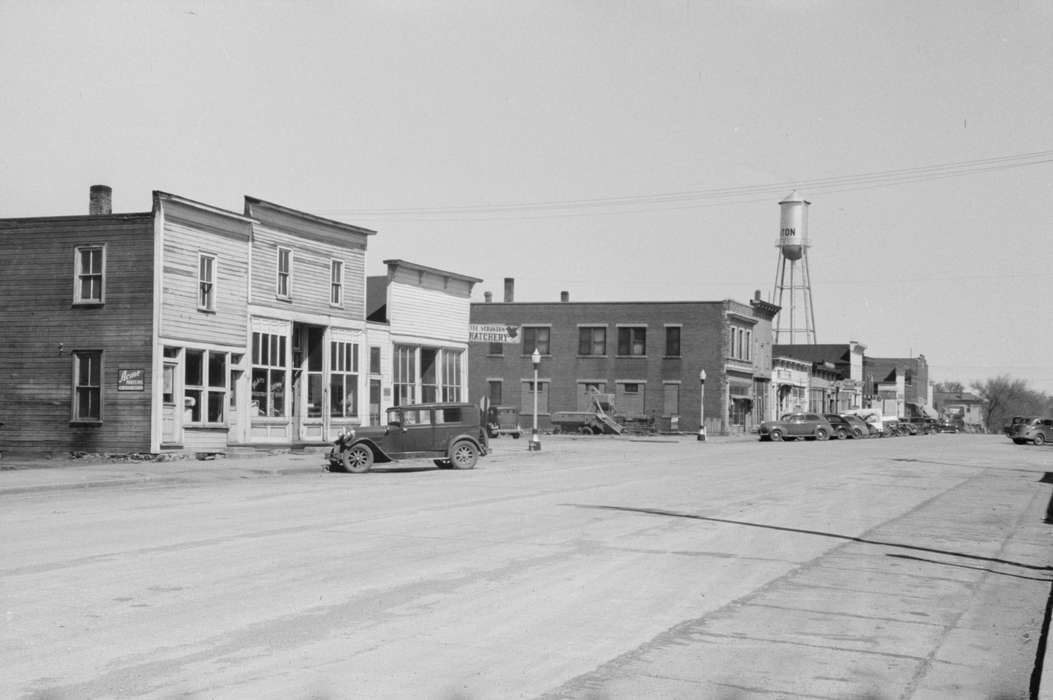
x=808, y=426
x=451, y=434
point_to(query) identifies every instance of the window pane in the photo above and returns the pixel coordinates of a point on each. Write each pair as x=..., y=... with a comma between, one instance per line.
x=215, y=406
x=314, y=395
x=194, y=368
x=217, y=369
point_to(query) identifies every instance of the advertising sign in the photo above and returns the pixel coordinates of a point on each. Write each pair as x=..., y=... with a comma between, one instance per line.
x=131, y=379
x=493, y=333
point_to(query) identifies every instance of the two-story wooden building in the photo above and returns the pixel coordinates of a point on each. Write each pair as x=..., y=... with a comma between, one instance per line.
x=196, y=329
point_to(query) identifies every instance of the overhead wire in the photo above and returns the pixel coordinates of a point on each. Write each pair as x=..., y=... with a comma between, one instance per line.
x=707, y=197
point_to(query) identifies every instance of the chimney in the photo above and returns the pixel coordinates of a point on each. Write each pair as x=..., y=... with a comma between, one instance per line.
x=101, y=200
x=564, y=297
x=756, y=294
x=488, y=297
x=510, y=289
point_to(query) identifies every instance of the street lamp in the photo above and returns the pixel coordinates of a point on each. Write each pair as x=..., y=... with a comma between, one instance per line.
x=702, y=405
x=535, y=442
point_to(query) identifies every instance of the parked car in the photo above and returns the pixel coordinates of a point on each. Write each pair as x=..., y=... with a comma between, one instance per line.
x=842, y=429
x=1010, y=427
x=859, y=426
x=1037, y=431
x=503, y=420
x=946, y=426
x=451, y=434
x=809, y=426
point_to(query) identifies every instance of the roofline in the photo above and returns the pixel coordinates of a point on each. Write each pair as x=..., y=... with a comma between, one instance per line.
x=424, y=268
x=201, y=205
x=310, y=217
x=77, y=217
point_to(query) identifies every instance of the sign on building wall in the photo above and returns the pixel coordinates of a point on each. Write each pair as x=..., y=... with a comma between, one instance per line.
x=131, y=379
x=493, y=333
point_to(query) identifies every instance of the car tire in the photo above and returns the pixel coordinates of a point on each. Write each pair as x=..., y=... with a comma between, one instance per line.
x=842, y=434
x=821, y=434
x=585, y=430
x=358, y=459
x=776, y=435
x=463, y=455
x=857, y=433
x=1040, y=439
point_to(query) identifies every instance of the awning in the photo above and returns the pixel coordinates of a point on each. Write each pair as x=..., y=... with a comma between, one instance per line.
x=929, y=412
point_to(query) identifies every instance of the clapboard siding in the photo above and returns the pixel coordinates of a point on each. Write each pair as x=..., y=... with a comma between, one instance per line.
x=427, y=313
x=451, y=285
x=180, y=317
x=309, y=292
x=42, y=327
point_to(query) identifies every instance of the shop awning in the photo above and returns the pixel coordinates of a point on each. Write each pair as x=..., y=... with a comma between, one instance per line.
x=930, y=412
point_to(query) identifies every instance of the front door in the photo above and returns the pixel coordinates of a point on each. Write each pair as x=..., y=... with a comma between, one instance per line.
x=169, y=414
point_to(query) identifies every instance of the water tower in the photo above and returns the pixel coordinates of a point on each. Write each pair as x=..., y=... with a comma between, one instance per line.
x=793, y=283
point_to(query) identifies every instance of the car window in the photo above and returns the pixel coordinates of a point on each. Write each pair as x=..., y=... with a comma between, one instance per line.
x=417, y=416
x=394, y=417
x=448, y=415
x=811, y=416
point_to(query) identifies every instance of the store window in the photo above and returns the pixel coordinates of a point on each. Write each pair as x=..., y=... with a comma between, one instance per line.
x=205, y=386
x=343, y=380
x=405, y=375
x=451, y=375
x=268, y=374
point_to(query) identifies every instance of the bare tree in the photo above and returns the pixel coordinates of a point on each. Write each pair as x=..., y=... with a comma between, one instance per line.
x=1005, y=397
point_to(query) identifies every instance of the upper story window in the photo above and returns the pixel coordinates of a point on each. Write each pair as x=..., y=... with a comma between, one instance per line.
x=536, y=337
x=90, y=265
x=740, y=344
x=632, y=340
x=206, y=282
x=672, y=341
x=592, y=340
x=336, y=282
x=283, y=285
x=87, y=386
x=496, y=349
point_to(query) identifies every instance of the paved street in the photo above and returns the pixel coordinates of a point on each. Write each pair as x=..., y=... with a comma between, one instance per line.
x=914, y=567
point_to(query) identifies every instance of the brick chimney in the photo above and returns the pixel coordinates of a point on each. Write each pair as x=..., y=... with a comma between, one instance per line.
x=488, y=297
x=564, y=297
x=510, y=289
x=101, y=202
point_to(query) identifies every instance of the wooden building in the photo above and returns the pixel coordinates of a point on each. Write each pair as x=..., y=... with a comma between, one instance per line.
x=190, y=328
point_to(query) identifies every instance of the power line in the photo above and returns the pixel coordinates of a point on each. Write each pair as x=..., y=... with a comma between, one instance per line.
x=712, y=196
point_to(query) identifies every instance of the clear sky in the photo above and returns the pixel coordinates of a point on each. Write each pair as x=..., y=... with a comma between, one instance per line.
x=616, y=150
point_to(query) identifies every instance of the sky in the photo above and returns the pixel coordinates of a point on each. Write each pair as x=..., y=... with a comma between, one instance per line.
x=619, y=151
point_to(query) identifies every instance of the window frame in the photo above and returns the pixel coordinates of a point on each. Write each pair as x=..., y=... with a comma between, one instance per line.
x=588, y=343
x=631, y=331
x=79, y=275
x=92, y=388
x=679, y=340
x=344, y=368
x=536, y=344
x=336, y=282
x=206, y=288
x=526, y=402
x=283, y=277
x=208, y=387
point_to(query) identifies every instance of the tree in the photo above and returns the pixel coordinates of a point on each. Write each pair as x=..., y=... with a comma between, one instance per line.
x=949, y=387
x=1005, y=397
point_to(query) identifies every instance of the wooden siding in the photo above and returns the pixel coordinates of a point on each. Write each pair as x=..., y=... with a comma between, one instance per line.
x=309, y=286
x=426, y=313
x=180, y=317
x=447, y=284
x=42, y=327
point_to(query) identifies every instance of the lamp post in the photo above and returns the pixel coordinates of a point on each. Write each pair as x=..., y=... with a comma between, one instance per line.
x=535, y=442
x=701, y=405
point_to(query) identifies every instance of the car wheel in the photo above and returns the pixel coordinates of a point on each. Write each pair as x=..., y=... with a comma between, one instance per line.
x=357, y=460
x=776, y=435
x=858, y=433
x=1040, y=439
x=842, y=434
x=585, y=430
x=821, y=434
x=463, y=455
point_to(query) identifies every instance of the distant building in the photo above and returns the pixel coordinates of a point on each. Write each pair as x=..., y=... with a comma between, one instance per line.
x=836, y=392
x=898, y=386
x=647, y=354
x=962, y=408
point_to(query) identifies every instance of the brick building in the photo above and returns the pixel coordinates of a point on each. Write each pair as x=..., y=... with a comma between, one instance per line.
x=649, y=355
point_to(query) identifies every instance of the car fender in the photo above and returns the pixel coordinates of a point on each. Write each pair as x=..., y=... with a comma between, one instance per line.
x=479, y=445
x=378, y=454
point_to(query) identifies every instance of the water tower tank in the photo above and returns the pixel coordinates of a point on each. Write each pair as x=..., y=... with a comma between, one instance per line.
x=793, y=226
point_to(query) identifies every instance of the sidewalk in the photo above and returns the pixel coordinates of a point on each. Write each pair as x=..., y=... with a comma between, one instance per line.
x=28, y=474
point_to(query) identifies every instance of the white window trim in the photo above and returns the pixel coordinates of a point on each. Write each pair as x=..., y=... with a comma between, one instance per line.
x=278, y=274
x=77, y=300
x=339, y=303
x=215, y=286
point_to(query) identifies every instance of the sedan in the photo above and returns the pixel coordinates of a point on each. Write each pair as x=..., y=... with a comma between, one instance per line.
x=843, y=430
x=809, y=426
x=860, y=429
